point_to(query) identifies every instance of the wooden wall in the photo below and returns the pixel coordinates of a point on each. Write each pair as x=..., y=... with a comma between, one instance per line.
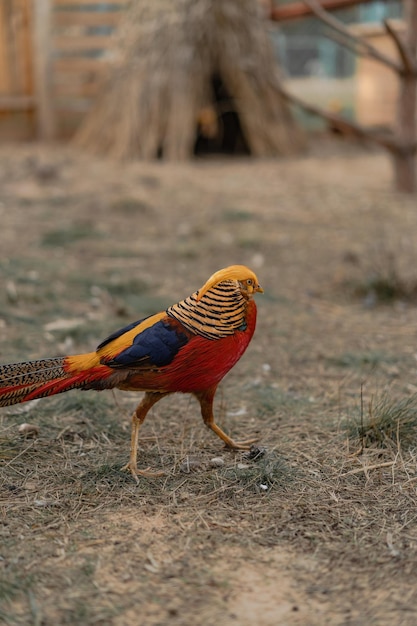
x=16, y=70
x=53, y=54
x=81, y=45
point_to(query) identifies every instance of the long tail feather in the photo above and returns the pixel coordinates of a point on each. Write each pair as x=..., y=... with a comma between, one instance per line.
x=20, y=382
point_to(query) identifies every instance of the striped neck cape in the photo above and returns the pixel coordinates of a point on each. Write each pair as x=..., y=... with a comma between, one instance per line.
x=219, y=313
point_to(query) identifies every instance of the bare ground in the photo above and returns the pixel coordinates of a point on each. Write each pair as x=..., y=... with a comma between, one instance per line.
x=321, y=528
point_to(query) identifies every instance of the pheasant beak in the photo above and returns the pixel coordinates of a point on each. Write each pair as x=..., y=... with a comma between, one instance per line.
x=258, y=289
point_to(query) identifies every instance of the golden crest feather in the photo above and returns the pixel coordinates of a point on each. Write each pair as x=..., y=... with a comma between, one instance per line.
x=233, y=272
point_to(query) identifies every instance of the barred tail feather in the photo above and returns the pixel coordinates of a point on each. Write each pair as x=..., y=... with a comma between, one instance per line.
x=20, y=382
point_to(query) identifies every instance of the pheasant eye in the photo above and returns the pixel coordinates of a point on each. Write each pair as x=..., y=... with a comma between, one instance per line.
x=249, y=281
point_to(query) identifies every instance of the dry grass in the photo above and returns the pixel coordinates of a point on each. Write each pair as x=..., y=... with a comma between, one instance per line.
x=327, y=511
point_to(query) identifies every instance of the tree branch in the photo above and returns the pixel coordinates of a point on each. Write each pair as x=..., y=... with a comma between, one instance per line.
x=392, y=144
x=409, y=64
x=296, y=10
x=410, y=18
x=345, y=41
x=362, y=47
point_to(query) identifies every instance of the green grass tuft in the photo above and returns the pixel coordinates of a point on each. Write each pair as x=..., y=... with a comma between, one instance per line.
x=387, y=422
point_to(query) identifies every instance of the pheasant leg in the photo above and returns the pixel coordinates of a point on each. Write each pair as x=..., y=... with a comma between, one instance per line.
x=206, y=403
x=138, y=418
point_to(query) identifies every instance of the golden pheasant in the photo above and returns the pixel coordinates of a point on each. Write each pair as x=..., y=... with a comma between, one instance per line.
x=188, y=348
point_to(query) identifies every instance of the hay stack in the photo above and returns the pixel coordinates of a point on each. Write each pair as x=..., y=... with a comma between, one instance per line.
x=168, y=54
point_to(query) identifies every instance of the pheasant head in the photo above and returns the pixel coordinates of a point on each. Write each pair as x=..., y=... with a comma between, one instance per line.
x=246, y=280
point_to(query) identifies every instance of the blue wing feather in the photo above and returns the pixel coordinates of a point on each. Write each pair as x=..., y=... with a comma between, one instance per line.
x=119, y=333
x=154, y=346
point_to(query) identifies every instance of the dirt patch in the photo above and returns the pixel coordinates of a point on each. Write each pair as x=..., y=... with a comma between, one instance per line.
x=271, y=591
x=321, y=529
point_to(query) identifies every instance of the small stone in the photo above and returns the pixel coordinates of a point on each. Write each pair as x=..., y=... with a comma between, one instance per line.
x=217, y=461
x=28, y=430
x=190, y=464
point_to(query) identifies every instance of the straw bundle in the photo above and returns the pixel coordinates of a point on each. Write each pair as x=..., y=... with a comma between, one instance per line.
x=168, y=52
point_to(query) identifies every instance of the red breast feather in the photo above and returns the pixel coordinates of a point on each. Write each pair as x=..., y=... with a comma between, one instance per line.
x=200, y=364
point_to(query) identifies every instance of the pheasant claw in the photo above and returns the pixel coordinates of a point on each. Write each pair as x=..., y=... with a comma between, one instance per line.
x=146, y=473
x=240, y=445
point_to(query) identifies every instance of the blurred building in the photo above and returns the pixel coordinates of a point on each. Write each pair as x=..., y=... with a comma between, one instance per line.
x=327, y=74
x=51, y=72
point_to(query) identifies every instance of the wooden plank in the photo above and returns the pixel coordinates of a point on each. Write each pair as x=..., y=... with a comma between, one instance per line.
x=80, y=64
x=77, y=44
x=79, y=106
x=42, y=56
x=76, y=89
x=17, y=103
x=84, y=18
x=83, y=3
x=4, y=52
x=296, y=10
x=13, y=39
x=27, y=47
